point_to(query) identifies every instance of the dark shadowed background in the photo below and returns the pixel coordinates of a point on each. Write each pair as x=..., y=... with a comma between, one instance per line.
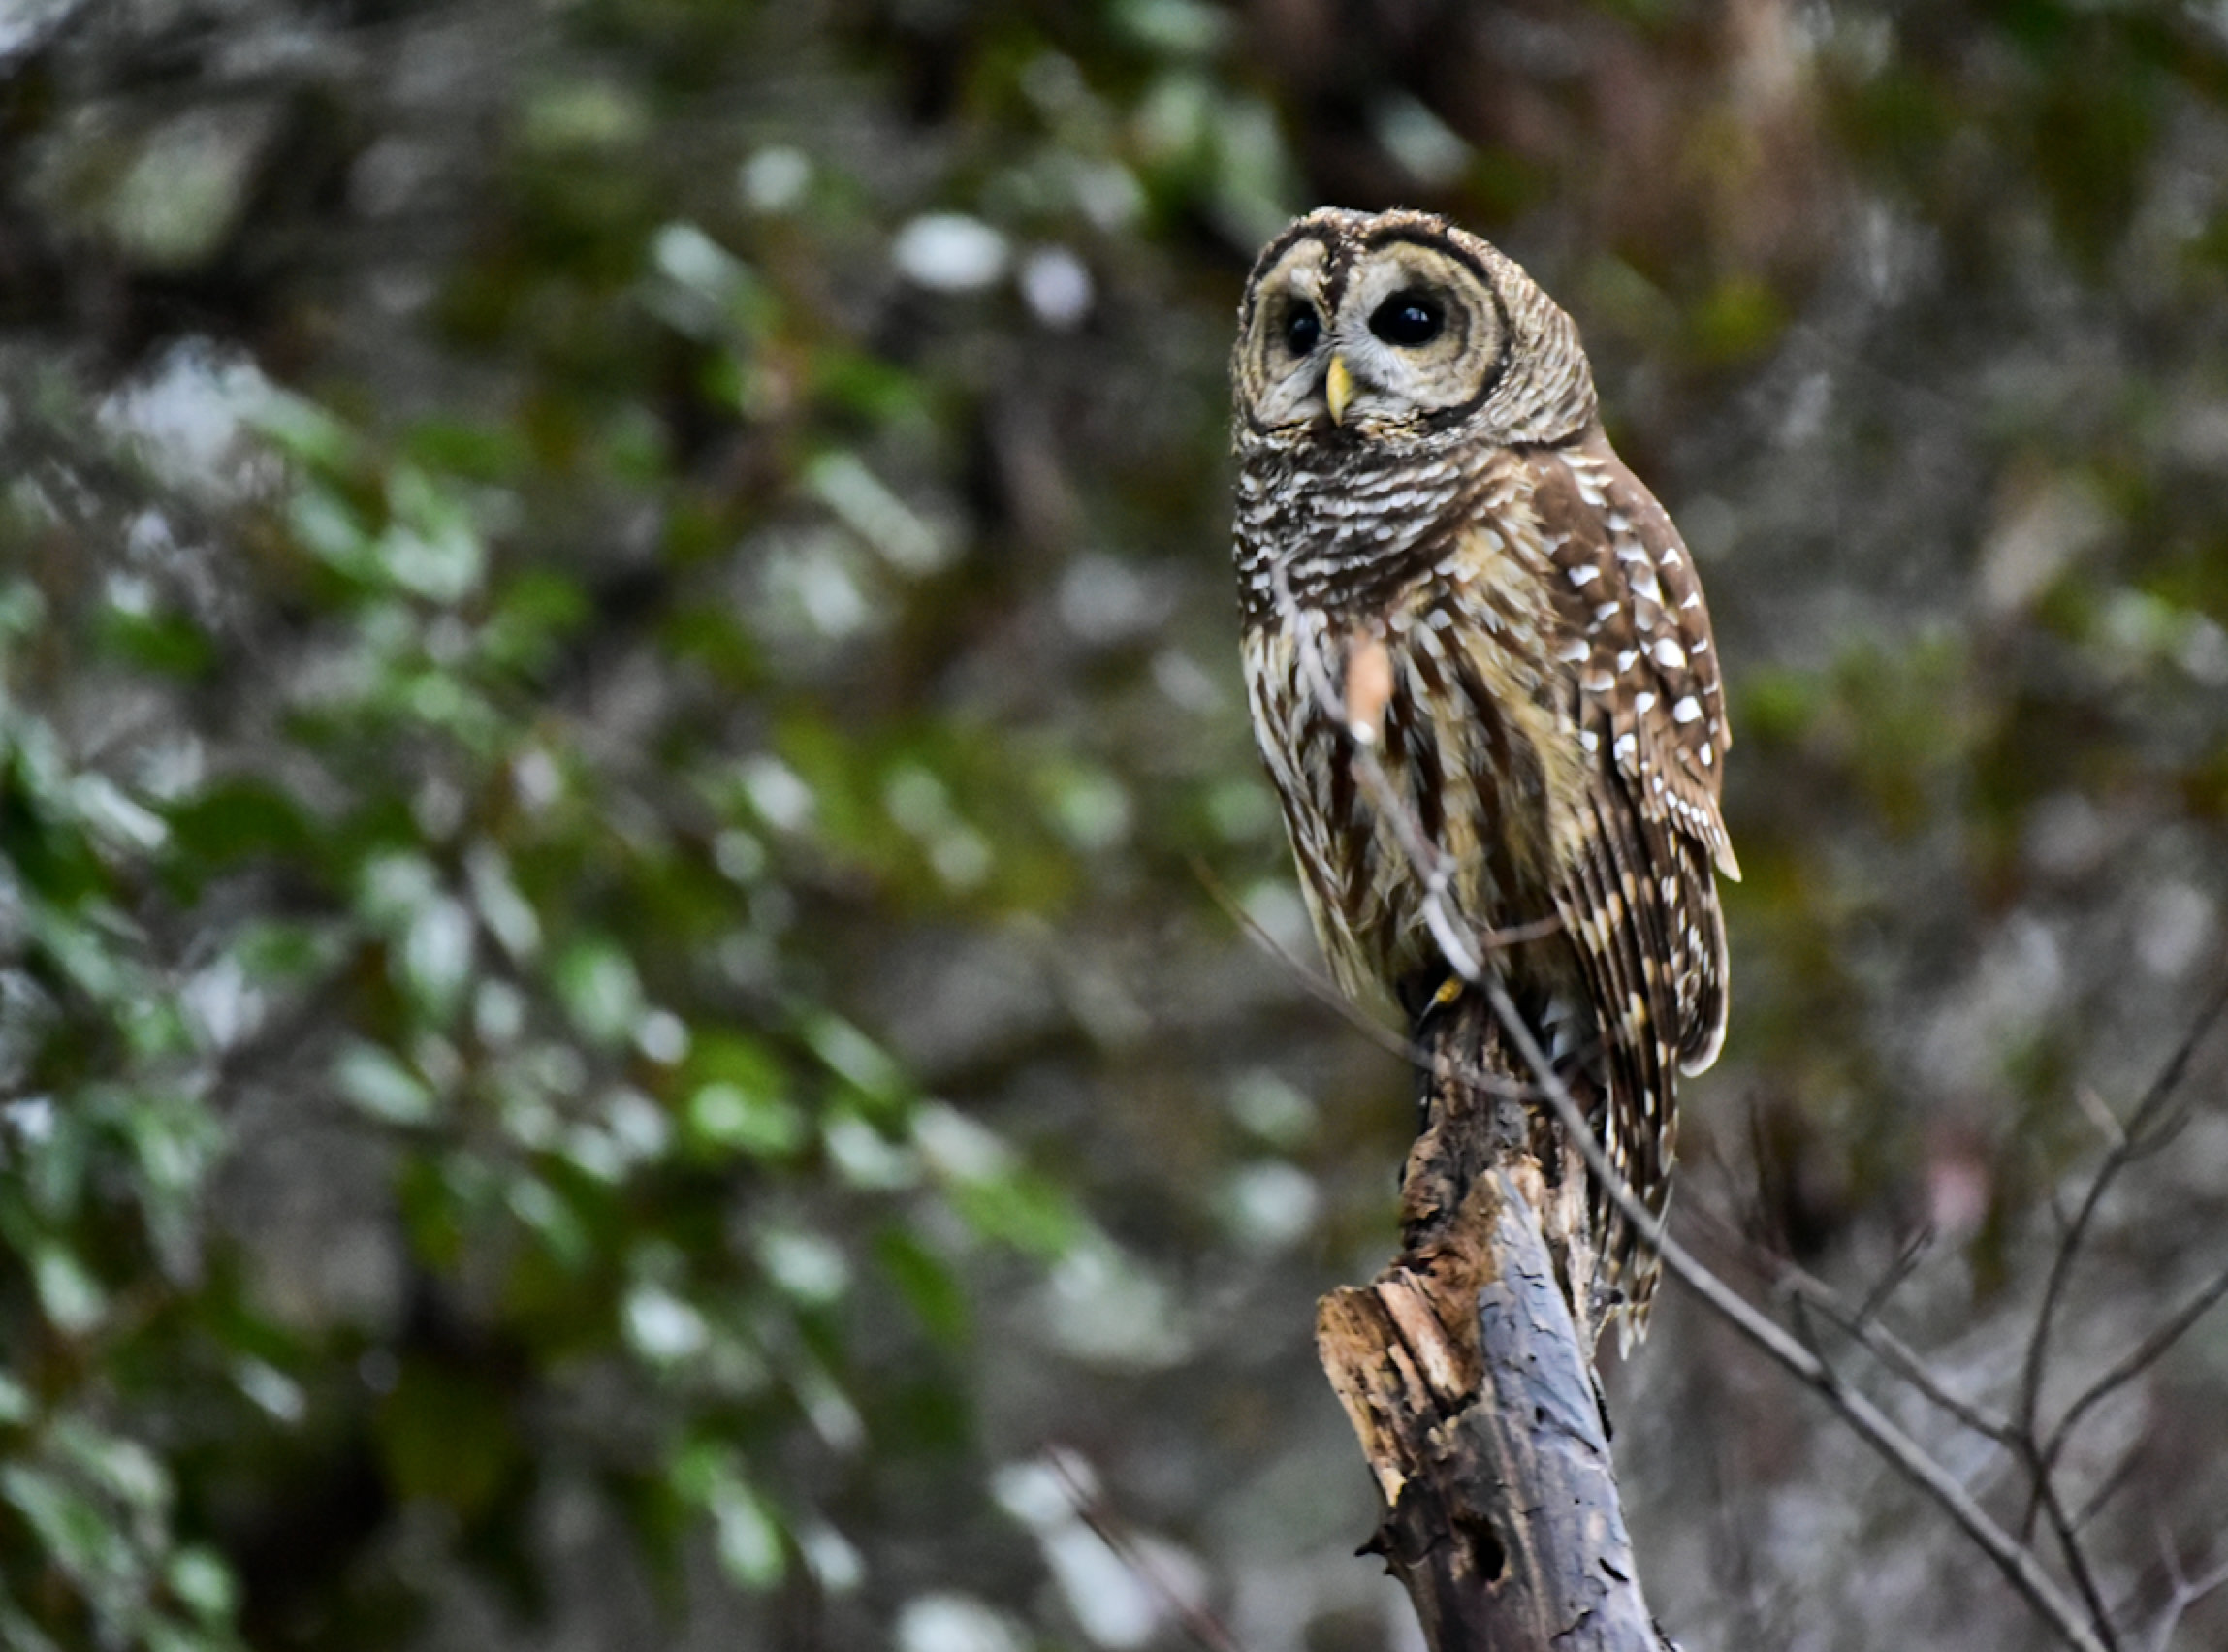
x=622, y=730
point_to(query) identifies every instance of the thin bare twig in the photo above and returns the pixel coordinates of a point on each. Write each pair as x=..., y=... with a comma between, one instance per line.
x=2061, y=1526
x=1317, y=986
x=2109, y=1486
x=1906, y=1262
x=2188, y=1592
x=2109, y=1127
x=2137, y=1360
x=1362, y=1021
x=2151, y=1125
x=1859, y=1323
x=1107, y=1523
x=2149, y=1128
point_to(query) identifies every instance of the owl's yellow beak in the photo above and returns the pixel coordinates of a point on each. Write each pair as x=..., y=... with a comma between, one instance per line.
x=1337, y=388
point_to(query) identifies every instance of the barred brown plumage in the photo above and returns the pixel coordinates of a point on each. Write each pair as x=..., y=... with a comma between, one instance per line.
x=1439, y=554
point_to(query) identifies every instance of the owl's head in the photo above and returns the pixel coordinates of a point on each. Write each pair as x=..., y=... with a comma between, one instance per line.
x=1399, y=328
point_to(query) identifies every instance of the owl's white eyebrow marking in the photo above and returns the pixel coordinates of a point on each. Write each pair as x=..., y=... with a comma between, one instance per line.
x=1306, y=278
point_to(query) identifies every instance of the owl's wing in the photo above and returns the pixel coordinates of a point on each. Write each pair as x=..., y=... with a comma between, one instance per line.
x=1651, y=715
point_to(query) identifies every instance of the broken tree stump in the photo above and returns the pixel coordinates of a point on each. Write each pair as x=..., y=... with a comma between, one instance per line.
x=1468, y=1375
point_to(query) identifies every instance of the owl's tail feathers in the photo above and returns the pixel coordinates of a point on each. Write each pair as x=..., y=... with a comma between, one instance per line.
x=1636, y=1289
x=1602, y=1258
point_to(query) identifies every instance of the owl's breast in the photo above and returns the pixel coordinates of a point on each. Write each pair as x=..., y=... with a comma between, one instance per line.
x=1454, y=791
x=1350, y=530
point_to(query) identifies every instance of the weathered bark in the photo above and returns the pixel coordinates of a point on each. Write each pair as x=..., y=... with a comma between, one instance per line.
x=1469, y=1379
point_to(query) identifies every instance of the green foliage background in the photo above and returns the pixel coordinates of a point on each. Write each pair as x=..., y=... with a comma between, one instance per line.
x=621, y=734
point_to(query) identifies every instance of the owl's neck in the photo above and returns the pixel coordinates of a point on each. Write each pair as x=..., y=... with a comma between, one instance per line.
x=1346, y=530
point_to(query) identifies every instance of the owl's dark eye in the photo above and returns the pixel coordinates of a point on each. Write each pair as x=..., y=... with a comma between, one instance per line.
x=1406, y=318
x=1301, y=331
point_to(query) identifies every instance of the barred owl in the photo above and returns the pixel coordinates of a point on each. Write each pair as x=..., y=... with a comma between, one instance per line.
x=1441, y=557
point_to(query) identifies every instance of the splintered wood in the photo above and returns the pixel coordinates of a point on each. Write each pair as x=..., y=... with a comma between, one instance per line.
x=1470, y=1384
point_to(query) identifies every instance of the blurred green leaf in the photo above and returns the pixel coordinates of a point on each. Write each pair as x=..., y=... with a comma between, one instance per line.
x=382, y=1086
x=1020, y=1210
x=928, y=1287
x=239, y=819
x=601, y=990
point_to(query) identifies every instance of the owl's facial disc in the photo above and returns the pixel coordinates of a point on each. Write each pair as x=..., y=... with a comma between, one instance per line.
x=1391, y=339
x=1421, y=332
